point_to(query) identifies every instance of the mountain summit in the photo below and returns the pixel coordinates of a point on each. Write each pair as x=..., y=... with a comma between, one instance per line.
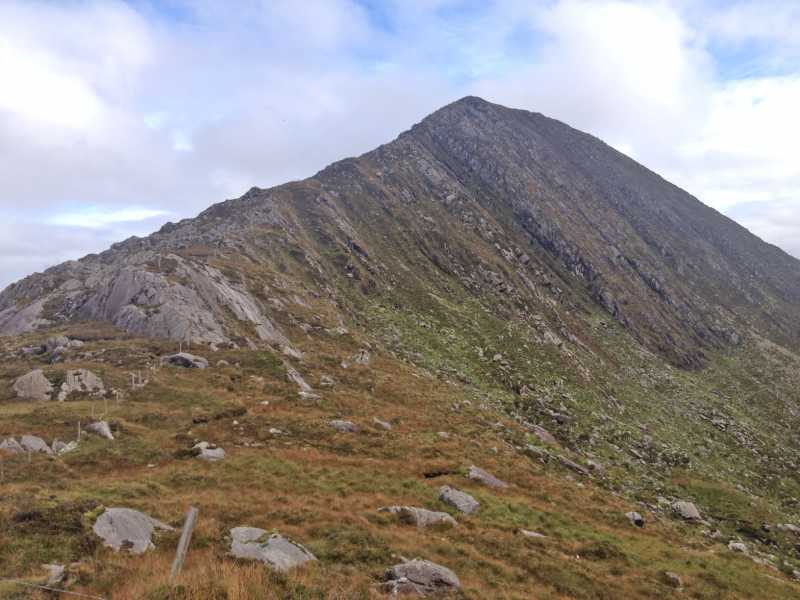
x=510, y=206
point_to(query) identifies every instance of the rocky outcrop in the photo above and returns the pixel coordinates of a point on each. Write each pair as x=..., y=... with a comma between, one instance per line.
x=127, y=529
x=11, y=446
x=343, y=426
x=275, y=551
x=686, y=510
x=33, y=444
x=33, y=386
x=209, y=452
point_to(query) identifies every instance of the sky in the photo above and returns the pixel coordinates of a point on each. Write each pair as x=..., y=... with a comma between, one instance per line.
x=116, y=117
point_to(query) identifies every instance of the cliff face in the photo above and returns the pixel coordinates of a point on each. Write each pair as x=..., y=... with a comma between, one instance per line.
x=531, y=217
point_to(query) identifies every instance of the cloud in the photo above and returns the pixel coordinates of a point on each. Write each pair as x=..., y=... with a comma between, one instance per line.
x=116, y=110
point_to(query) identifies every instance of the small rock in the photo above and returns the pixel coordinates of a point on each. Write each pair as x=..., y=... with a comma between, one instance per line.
x=459, y=500
x=11, y=446
x=56, y=342
x=32, y=443
x=382, y=424
x=573, y=466
x=737, y=547
x=362, y=358
x=789, y=527
x=56, y=574
x=544, y=436
x=420, y=517
x=420, y=577
x=327, y=381
x=305, y=395
x=686, y=510
x=672, y=579
x=100, y=428
x=223, y=363
x=60, y=447
x=209, y=452
x=343, y=426
x=530, y=534
x=129, y=529
x=443, y=435
x=486, y=478
x=296, y=378
x=274, y=551
x=185, y=360
x=33, y=386
x=635, y=518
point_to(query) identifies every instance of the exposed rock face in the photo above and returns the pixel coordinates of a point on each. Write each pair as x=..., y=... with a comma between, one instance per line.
x=459, y=500
x=127, y=529
x=186, y=360
x=420, y=517
x=420, y=577
x=33, y=386
x=486, y=478
x=81, y=381
x=506, y=202
x=273, y=550
x=635, y=518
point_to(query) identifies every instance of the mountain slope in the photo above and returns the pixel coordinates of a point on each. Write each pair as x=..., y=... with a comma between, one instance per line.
x=480, y=194
x=565, y=317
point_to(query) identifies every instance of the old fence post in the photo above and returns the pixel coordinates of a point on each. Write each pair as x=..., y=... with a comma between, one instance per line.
x=183, y=544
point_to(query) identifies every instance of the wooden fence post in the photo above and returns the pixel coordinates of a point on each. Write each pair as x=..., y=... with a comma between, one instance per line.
x=183, y=544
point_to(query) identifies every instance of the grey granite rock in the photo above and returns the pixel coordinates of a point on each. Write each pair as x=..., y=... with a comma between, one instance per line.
x=274, y=550
x=486, y=478
x=421, y=517
x=127, y=529
x=459, y=500
x=33, y=386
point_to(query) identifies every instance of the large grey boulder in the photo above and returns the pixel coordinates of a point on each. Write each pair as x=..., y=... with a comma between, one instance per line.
x=101, y=428
x=686, y=510
x=420, y=577
x=459, y=500
x=186, y=360
x=33, y=386
x=128, y=529
x=274, y=550
x=81, y=381
x=421, y=517
x=33, y=443
x=486, y=478
x=11, y=446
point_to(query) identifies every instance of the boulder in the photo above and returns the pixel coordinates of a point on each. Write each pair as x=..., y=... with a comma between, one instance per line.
x=686, y=510
x=420, y=577
x=672, y=579
x=11, y=446
x=635, y=518
x=789, y=527
x=486, y=478
x=343, y=426
x=459, y=500
x=32, y=443
x=274, y=550
x=297, y=379
x=737, y=546
x=327, y=381
x=127, y=529
x=33, y=386
x=54, y=343
x=209, y=452
x=81, y=381
x=573, y=466
x=185, y=360
x=100, y=428
x=420, y=517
